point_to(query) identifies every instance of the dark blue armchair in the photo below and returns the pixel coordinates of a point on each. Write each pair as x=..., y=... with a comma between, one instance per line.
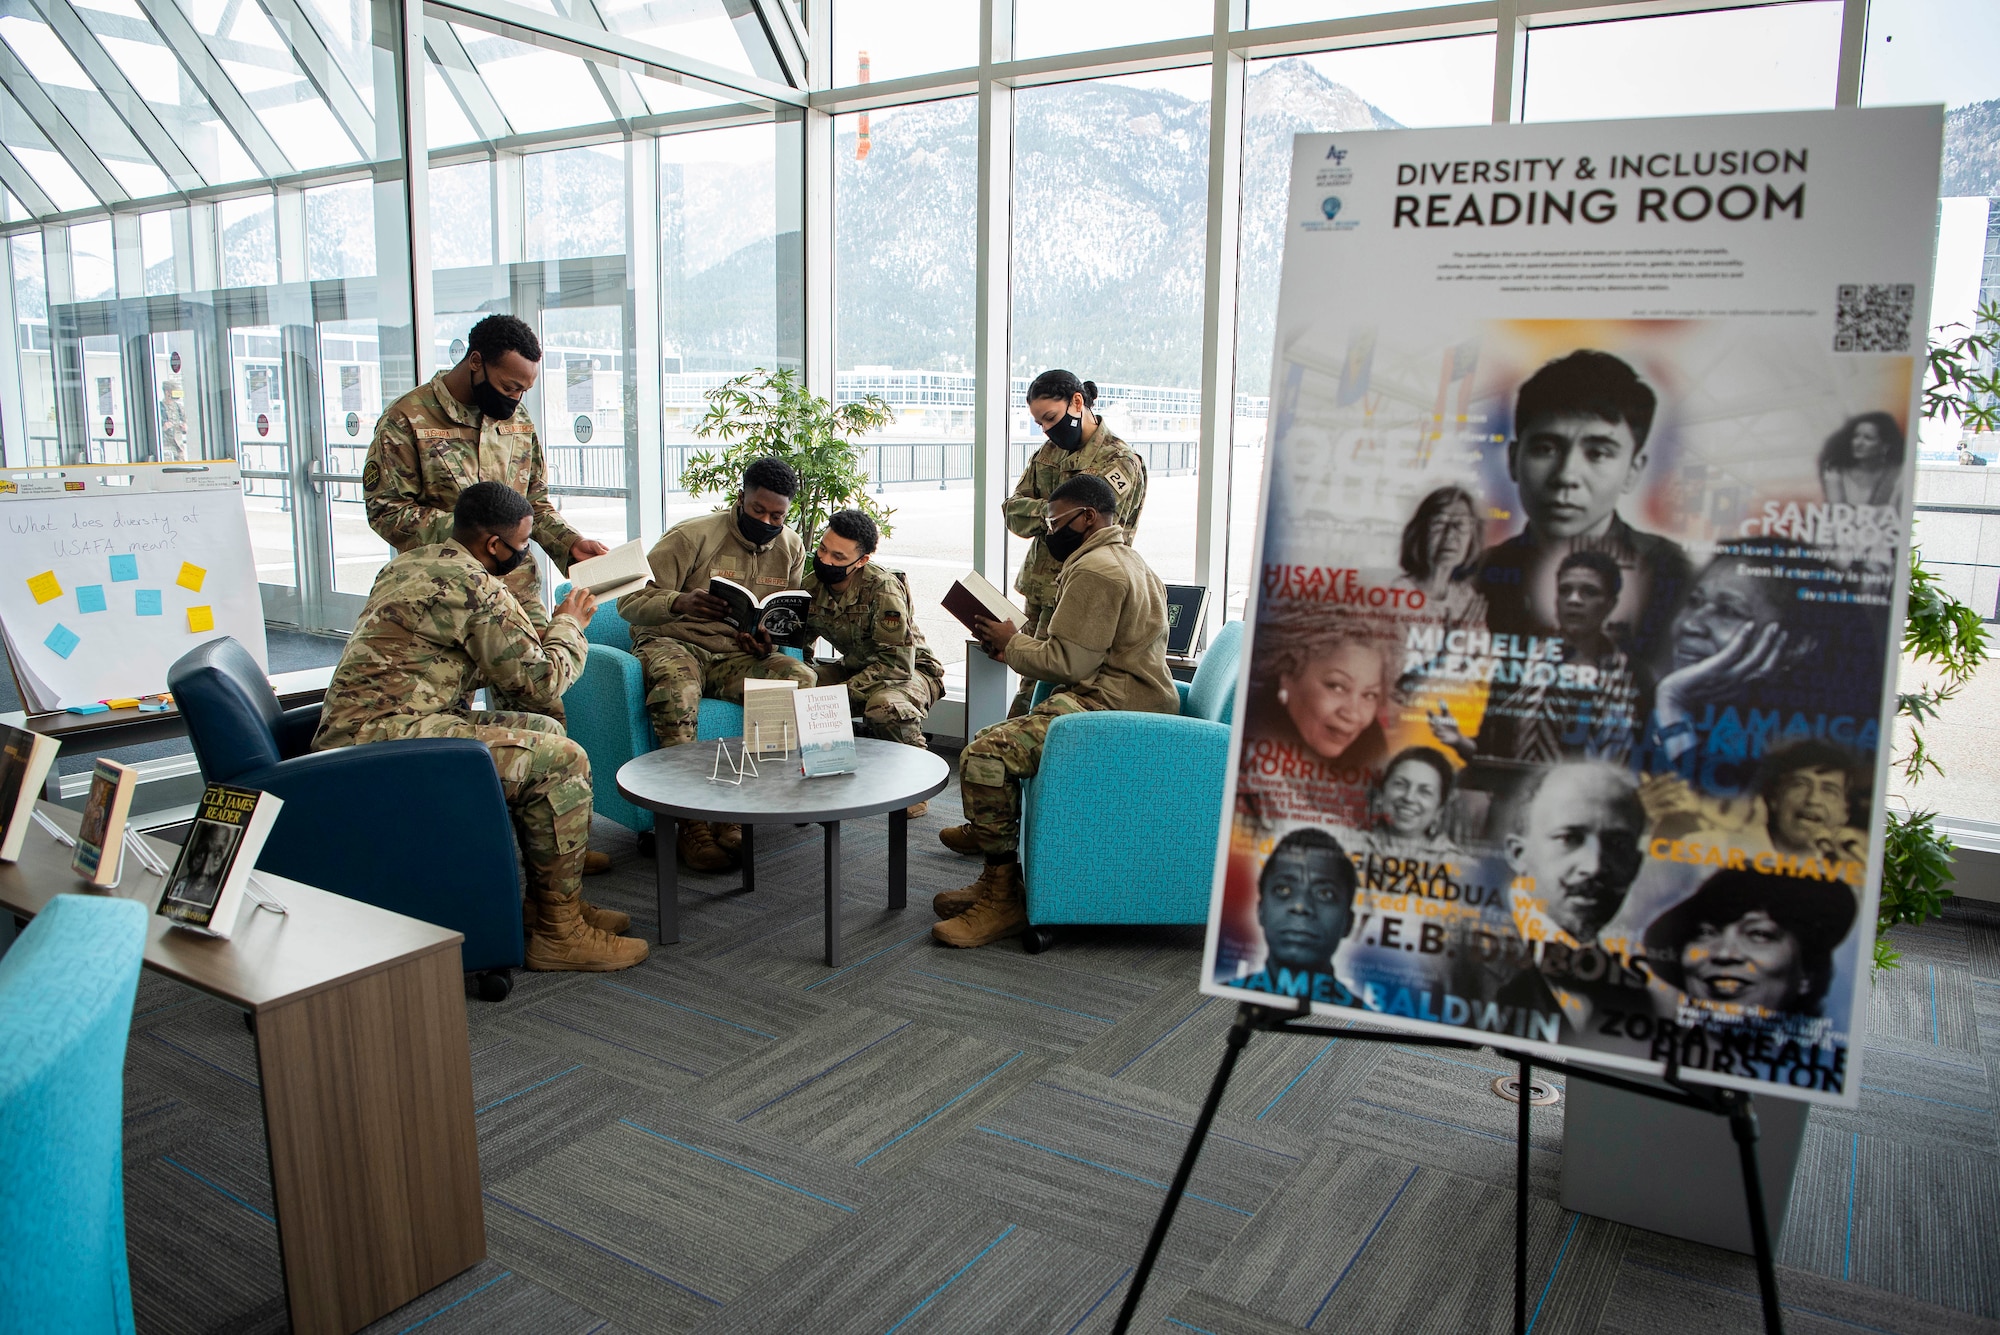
x=418, y=827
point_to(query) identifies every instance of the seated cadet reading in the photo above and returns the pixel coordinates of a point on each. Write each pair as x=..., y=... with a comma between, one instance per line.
x=863, y=611
x=683, y=646
x=440, y=624
x=1104, y=645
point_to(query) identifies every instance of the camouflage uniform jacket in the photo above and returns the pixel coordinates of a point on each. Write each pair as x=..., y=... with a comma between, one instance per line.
x=869, y=625
x=436, y=628
x=686, y=557
x=1106, y=641
x=1027, y=510
x=428, y=447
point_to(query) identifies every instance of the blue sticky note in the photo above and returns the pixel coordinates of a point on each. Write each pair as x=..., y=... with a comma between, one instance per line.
x=88, y=709
x=90, y=597
x=146, y=602
x=62, y=641
x=124, y=568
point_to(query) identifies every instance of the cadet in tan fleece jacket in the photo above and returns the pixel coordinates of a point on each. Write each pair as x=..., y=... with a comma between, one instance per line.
x=1105, y=647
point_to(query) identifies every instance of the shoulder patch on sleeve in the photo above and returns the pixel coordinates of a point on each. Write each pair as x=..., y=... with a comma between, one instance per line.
x=1119, y=482
x=371, y=474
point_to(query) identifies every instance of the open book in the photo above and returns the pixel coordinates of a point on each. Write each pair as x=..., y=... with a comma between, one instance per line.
x=205, y=889
x=25, y=758
x=620, y=571
x=781, y=615
x=975, y=596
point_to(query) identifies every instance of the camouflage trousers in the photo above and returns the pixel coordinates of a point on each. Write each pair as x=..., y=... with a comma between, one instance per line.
x=543, y=774
x=1038, y=616
x=991, y=768
x=525, y=583
x=893, y=711
x=679, y=674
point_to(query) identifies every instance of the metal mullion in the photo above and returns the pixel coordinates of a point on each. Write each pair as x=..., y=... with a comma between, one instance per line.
x=1218, y=327
x=26, y=189
x=819, y=220
x=1853, y=53
x=1546, y=13
x=55, y=127
x=897, y=92
x=993, y=297
x=790, y=45
x=223, y=95
x=614, y=85
x=136, y=112
x=322, y=69
x=1175, y=53
x=759, y=42
x=531, y=27
x=233, y=190
x=1510, y=65
x=462, y=77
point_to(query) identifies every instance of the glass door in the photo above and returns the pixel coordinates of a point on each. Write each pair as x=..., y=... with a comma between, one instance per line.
x=262, y=445
x=177, y=417
x=349, y=366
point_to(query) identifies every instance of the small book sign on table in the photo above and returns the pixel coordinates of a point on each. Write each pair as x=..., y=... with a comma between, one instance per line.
x=25, y=758
x=205, y=890
x=826, y=732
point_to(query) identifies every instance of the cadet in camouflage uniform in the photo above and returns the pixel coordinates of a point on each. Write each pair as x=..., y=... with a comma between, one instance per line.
x=1105, y=646
x=686, y=651
x=466, y=426
x=1078, y=442
x=439, y=625
x=863, y=611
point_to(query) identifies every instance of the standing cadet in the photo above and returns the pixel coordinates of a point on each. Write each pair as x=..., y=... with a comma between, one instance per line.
x=439, y=625
x=683, y=646
x=464, y=426
x=1105, y=645
x=863, y=611
x=1078, y=442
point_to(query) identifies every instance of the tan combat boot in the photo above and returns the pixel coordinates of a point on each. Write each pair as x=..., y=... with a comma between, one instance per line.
x=698, y=849
x=728, y=838
x=951, y=903
x=595, y=863
x=609, y=921
x=959, y=839
x=912, y=812
x=562, y=940
x=1000, y=909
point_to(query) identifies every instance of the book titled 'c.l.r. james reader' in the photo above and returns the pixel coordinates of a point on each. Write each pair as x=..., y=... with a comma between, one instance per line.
x=205, y=890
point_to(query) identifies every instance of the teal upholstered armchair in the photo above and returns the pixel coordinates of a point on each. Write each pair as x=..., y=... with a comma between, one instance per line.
x=66, y=989
x=1150, y=859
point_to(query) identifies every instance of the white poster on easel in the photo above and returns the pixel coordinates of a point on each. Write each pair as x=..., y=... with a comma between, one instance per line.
x=113, y=572
x=1569, y=677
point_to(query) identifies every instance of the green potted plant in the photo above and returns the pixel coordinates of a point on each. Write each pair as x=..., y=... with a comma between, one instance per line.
x=763, y=413
x=1944, y=635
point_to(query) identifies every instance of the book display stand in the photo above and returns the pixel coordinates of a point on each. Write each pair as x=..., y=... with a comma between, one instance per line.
x=739, y=765
x=131, y=843
x=1731, y=1103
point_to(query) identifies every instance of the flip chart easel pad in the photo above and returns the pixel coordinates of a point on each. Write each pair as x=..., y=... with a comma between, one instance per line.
x=83, y=528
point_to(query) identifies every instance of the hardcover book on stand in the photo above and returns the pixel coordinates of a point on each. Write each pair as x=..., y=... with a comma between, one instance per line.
x=25, y=758
x=205, y=890
x=770, y=725
x=780, y=615
x=826, y=732
x=100, y=840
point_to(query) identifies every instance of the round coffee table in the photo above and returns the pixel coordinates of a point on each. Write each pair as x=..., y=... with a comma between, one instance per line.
x=674, y=784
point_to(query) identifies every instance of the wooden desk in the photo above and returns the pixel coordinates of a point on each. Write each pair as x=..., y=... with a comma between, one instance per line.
x=95, y=733
x=361, y=1047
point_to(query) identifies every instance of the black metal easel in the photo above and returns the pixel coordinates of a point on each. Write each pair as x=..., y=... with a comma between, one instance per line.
x=1730, y=1103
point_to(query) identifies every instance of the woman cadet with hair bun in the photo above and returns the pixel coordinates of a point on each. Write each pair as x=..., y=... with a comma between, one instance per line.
x=1076, y=441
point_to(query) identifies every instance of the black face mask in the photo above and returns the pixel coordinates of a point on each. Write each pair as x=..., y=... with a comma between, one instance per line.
x=515, y=555
x=828, y=572
x=1063, y=542
x=492, y=402
x=1067, y=434
x=755, y=531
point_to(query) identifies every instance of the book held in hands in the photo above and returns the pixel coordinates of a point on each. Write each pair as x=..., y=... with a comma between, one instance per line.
x=826, y=732
x=25, y=758
x=780, y=615
x=205, y=889
x=974, y=596
x=100, y=840
x=620, y=571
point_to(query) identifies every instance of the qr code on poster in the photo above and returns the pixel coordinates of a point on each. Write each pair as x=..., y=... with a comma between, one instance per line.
x=1874, y=317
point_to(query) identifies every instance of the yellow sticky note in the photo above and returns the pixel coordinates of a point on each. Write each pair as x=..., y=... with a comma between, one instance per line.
x=201, y=618
x=191, y=578
x=45, y=586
